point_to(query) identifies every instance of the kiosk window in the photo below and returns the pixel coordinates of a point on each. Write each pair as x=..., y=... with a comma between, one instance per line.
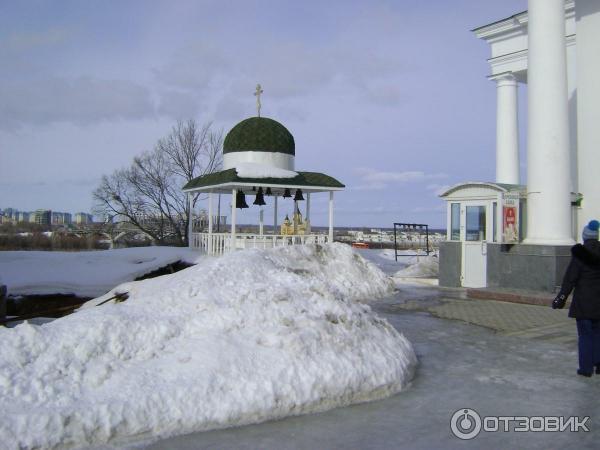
x=475, y=223
x=455, y=222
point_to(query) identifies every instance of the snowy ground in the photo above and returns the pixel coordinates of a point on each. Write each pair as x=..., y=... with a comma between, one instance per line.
x=420, y=267
x=404, y=256
x=85, y=274
x=460, y=366
x=408, y=267
x=245, y=338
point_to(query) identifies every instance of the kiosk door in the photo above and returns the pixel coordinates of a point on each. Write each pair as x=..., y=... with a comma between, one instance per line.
x=474, y=246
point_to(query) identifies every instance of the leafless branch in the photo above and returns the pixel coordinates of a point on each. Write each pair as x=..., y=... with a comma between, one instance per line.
x=148, y=194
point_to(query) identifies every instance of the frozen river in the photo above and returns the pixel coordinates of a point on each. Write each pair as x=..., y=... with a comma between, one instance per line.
x=461, y=366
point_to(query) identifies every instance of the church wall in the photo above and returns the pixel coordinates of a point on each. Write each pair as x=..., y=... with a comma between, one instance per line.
x=588, y=107
x=513, y=43
x=572, y=108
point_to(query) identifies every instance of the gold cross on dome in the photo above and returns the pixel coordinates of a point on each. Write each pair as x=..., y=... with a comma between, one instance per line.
x=257, y=94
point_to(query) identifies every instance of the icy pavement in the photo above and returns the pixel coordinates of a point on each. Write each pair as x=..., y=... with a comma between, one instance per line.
x=461, y=366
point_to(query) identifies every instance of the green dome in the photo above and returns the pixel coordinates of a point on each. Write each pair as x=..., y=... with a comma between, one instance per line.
x=259, y=134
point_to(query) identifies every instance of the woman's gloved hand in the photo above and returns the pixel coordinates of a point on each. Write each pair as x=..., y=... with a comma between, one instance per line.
x=559, y=301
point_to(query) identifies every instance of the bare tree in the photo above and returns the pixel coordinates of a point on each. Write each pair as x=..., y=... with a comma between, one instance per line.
x=148, y=194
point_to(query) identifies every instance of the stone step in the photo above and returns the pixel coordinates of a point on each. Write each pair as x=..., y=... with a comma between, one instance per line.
x=512, y=295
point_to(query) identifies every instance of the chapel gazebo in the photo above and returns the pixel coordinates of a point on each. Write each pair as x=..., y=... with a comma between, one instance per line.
x=258, y=160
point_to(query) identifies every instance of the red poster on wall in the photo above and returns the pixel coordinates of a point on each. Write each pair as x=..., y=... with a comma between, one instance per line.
x=510, y=220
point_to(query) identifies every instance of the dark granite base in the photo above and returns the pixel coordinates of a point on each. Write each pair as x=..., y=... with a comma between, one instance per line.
x=537, y=268
x=450, y=264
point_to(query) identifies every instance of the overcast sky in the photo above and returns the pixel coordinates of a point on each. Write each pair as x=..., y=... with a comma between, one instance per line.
x=389, y=97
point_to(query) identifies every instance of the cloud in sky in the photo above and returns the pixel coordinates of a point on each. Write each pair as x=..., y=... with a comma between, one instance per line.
x=82, y=100
x=288, y=69
x=441, y=208
x=438, y=189
x=376, y=180
x=20, y=41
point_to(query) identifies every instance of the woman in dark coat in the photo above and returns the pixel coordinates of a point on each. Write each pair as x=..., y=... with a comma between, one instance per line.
x=583, y=277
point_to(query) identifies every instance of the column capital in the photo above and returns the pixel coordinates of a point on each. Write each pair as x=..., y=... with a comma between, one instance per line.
x=504, y=79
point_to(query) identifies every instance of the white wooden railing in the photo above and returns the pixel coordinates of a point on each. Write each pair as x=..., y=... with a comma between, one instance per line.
x=219, y=243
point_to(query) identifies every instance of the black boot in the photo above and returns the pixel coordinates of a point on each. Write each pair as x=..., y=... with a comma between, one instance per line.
x=584, y=374
x=597, y=369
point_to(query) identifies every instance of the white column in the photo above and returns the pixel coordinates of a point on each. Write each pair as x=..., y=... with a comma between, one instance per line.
x=548, y=162
x=331, y=216
x=210, y=223
x=507, y=130
x=261, y=225
x=307, y=215
x=191, y=221
x=233, y=213
x=275, y=215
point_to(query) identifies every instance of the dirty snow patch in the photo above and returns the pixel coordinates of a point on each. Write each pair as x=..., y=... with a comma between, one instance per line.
x=420, y=267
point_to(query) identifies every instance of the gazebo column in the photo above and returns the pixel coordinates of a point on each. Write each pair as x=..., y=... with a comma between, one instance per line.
x=275, y=215
x=307, y=215
x=233, y=213
x=210, y=224
x=190, y=221
x=507, y=130
x=331, y=216
x=294, y=217
x=261, y=222
x=548, y=165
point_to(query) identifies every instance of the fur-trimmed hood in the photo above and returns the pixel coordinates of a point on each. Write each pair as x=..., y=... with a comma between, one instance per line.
x=588, y=253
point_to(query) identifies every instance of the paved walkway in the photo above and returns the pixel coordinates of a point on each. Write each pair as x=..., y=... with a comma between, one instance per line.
x=527, y=321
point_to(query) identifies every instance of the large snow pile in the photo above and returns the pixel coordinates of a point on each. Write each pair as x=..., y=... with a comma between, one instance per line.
x=251, y=336
x=87, y=274
x=255, y=170
x=420, y=267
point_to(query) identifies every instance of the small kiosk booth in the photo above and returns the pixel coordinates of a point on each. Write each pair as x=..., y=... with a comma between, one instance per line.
x=479, y=215
x=485, y=229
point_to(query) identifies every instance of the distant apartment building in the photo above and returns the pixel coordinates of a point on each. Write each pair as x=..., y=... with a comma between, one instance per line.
x=43, y=217
x=61, y=218
x=11, y=213
x=23, y=216
x=82, y=218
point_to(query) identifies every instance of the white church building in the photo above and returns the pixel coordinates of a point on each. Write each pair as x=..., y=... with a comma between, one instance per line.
x=513, y=233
